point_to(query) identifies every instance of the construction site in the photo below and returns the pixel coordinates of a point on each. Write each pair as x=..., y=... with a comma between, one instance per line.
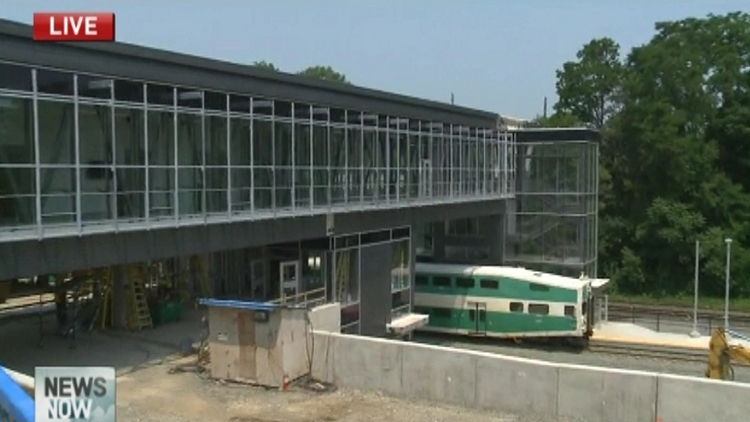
x=135, y=183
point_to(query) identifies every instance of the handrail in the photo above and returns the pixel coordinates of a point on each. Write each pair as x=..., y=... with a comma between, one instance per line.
x=305, y=296
x=14, y=401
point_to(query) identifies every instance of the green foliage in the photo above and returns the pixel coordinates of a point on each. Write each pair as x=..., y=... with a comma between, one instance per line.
x=675, y=153
x=319, y=72
x=266, y=66
x=324, y=72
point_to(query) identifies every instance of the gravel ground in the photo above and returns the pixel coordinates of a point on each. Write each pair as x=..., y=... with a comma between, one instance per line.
x=152, y=394
x=742, y=374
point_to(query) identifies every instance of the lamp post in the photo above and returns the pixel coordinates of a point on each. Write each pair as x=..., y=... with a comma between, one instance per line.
x=695, y=333
x=728, y=241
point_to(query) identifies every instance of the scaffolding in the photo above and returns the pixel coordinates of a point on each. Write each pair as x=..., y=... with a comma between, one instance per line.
x=551, y=225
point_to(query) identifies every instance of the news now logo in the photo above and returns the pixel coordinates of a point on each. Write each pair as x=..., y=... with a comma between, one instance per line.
x=71, y=26
x=74, y=394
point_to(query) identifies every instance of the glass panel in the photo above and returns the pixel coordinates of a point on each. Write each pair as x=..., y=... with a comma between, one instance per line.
x=97, y=87
x=58, y=195
x=160, y=138
x=17, y=203
x=15, y=77
x=283, y=162
x=129, y=139
x=16, y=130
x=54, y=82
x=189, y=139
x=131, y=192
x=56, y=133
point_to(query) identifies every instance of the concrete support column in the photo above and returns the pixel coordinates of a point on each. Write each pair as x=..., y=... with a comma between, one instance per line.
x=438, y=241
x=119, y=297
x=495, y=234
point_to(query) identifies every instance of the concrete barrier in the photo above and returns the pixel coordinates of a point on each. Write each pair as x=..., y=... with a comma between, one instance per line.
x=522, y=386
x=699, y=399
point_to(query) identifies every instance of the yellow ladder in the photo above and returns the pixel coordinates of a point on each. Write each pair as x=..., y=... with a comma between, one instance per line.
x=139, y=316
x=342, y=274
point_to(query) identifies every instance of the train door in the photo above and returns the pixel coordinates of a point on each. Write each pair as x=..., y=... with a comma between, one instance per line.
x=478, y=317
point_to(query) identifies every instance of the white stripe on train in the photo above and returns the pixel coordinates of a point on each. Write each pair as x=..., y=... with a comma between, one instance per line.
x=432, y=300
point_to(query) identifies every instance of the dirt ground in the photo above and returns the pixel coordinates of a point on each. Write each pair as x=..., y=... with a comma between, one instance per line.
x=154, y=394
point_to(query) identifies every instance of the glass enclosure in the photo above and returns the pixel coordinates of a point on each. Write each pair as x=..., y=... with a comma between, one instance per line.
x=552, y=225
x=85, y=153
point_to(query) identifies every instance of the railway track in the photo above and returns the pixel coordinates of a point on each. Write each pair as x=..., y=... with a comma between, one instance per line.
x=637, y=350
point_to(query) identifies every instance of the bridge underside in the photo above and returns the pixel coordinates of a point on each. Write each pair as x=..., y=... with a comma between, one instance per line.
x=56, y=255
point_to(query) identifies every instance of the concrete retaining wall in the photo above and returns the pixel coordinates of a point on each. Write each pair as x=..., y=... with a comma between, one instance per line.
x=523, y=386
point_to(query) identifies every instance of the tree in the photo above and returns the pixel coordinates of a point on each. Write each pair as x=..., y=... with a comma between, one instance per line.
x=561, y=119
x=324, y=72
x=588, y=87
x=675, y=154
x=266, y=65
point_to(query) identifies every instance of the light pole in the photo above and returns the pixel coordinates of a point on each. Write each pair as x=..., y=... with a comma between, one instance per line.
x=728, y=241
x=695, y=332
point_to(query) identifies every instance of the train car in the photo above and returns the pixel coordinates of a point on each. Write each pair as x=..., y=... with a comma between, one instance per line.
x=503, y=302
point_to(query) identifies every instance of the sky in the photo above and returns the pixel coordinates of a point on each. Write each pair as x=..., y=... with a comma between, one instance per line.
x=493, y=55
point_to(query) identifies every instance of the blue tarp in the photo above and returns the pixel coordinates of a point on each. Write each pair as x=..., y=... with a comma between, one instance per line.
x=239, y=304
x=14, y=400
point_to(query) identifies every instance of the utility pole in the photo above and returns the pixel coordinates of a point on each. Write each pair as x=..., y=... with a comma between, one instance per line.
x=544, y=112
x=695, y=333
x=726, y=284
x=452, y=103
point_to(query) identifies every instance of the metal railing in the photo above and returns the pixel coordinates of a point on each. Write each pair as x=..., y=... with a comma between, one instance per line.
x=313, y=297
x=15, y=404
x=673, y=320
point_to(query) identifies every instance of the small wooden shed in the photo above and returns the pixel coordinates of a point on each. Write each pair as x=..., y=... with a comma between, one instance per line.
x=257, y=342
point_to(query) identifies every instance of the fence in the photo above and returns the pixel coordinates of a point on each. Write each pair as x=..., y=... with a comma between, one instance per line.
x=672, y=319
x=15, y=404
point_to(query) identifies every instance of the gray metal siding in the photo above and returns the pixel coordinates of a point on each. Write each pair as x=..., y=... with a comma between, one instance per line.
x=31, y=257
x=375, y=289
x=149, y=64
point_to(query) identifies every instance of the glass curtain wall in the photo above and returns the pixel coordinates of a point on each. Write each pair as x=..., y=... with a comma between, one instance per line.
x=554, y=227
x=82, y=153
x=346, y=274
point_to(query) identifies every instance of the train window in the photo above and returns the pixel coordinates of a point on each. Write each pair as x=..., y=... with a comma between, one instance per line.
x=421, y=280
x=538, y=287
x=465, y=283
x=570, y=310
x=516, y=307
x=482, y=315
x=489, y=284
x=441, y=313
x=421, y=310
x=538, y=308
x=441, y=281
x=472, y=314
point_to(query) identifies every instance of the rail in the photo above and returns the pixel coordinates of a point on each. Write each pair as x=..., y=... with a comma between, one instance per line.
x=15, y=404
x=673, y=319
x=312, y=297
x=648, y=351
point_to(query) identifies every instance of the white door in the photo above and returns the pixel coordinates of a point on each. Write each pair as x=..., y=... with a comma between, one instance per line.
x=289, y=280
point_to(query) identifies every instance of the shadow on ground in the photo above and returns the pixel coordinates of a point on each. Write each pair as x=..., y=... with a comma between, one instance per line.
x=29, y=342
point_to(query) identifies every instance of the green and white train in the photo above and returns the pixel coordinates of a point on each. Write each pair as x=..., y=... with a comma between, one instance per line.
x=503, y=302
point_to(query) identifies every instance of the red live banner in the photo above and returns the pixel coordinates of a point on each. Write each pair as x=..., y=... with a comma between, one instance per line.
x=74, y=26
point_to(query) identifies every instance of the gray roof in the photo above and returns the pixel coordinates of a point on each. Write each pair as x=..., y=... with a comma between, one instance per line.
x=135, y=62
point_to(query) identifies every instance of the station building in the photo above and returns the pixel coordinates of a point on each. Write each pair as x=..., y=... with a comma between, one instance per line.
x=232, y=181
